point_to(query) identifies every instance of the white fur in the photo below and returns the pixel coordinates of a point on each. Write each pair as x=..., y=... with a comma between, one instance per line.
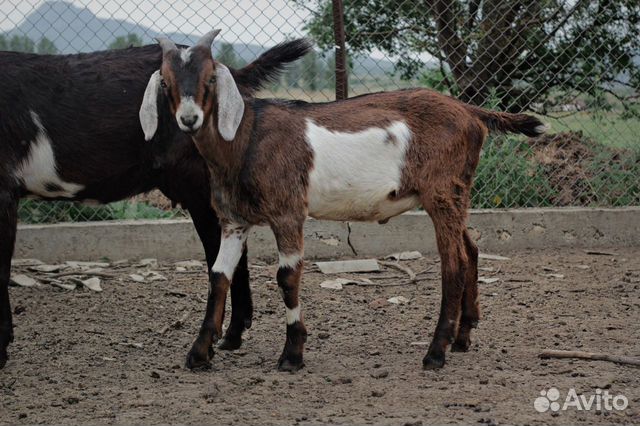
x=148, y=113
x=289, y=260
x=189, y=107
x=39, y=168
x=230, y=103
x=231, y=245
x=354, y=172
x=293, y=315
x=185, y=55
x=542, y=128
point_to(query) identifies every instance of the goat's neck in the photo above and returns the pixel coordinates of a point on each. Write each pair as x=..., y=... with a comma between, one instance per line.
x=224, y=157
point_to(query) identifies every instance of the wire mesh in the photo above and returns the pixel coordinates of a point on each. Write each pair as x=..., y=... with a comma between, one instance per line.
x=574, y=63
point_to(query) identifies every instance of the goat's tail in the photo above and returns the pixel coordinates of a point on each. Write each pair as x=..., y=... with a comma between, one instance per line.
x=507, y=122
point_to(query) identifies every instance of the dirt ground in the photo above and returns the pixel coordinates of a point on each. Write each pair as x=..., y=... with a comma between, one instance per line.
x=86, y=357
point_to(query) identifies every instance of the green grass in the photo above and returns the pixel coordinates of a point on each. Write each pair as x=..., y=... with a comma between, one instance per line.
x=609, y=130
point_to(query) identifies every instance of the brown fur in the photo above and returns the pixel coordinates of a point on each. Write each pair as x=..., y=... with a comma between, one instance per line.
x=261, y=178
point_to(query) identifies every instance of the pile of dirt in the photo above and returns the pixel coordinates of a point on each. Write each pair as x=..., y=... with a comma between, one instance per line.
x=572, y=162
x=154, y=198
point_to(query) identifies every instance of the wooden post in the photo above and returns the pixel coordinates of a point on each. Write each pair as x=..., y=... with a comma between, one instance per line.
x=342, y=78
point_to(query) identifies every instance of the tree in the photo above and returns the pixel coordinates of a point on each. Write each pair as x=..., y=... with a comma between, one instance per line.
x=227, y=56
x=21, y=44
x=3, y=42
x=46, y=47
x=122, y=42
x=520, y=51
x=311, y=70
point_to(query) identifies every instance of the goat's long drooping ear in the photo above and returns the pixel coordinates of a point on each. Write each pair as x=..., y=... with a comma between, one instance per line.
x=207, y=39
x=230, y=103
x=149, y=109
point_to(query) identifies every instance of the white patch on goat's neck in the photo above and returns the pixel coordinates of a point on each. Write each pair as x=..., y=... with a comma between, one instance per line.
x=188, y=107
x=354, y=173
x=185, y=55
x=289, y=260
x=292, y=315
x=38, y=171
x=231, y=246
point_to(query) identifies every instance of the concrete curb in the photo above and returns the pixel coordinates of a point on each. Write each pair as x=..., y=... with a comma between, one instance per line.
x=494, y=230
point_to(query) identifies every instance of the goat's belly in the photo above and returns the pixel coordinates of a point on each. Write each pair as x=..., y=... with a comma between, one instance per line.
x=357, y=175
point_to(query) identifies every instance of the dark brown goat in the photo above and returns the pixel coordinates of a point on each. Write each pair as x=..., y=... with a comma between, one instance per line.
x=367, y=158
x=68, y=130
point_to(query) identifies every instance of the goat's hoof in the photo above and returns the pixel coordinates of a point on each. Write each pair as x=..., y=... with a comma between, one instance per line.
x=230, y=343
x=247, y=323
x=433, y=362
x=197, y=360
x=461, y=345
x=291, y=363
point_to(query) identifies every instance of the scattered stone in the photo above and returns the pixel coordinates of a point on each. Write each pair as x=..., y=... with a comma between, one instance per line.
x=92, y=284
x=582, y=266
x=378, y=303
x=24, y=281
x=181, y=269
x=151, y=276
x=323, y=335
x=137, y=278
x=148, y=262
x=381, y=374
x=189, y=264
x=398, y=300
x=48, y=268
x=155, y=375
x=419, y=343
x=66, y=286
x=377, y=394
x=486, y=269
x=334, y=284
x=26, y=262
x=106, y=358
x=341, y=266
x=559, y=276
x=343, y=380
x=488, y=256
x=86, y=265
x=486, y=280
x=405, y=255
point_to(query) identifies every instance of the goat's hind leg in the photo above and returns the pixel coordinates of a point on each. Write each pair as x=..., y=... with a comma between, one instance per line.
x=8, y=224
x=232, y=245
x=448, y=214
x=290, y=247
x=470, y=309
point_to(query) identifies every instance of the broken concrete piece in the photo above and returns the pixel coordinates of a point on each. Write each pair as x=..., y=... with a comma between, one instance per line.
x=92, y=284
x=398, y=300
x=486, y=280
x=48, y=268
x=488, y=256
x=341, y=266
x=405, y=255
x=24, y=281
x=137, y=278
x=189, y=264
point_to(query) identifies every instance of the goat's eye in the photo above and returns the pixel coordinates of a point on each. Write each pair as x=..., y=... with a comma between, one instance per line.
x=163, y=84
x=212, y=80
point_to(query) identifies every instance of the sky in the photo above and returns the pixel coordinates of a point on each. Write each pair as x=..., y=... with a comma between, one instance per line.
x=262, y=22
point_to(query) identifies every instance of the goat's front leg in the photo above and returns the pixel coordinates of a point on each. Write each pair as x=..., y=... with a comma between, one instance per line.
x=290, y=247
x=232, y=244
x=8, y=224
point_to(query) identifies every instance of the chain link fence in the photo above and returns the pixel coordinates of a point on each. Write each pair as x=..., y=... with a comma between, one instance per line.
x=574, y=63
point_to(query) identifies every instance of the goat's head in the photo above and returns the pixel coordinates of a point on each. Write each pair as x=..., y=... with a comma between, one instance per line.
x=195, y=86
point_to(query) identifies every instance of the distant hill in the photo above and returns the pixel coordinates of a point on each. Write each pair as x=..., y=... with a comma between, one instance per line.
x=75, y=29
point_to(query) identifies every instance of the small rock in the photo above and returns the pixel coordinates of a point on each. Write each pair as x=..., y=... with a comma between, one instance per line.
x=148, y=262
x=380, y=374
x=137, y=278
x=343, y=380
x=334, y=284
x=559, y=276
x=398, y=300
x=48, y=268
x=488, y=256
x=419, y=343
x=323, y=335
x=378, y=303
x=155, y=375
x=189, y=264
x=405, y=255
x=341, y=266
x=181, y=269
x=66, y=286
x=84, y=265
x=486, y=280
x=151, y=276
x=24, y=281
x=26, y=262
x=93, y=284
x=377, y=394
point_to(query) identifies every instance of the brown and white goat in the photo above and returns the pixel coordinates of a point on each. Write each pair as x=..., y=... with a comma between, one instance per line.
x=368, y=158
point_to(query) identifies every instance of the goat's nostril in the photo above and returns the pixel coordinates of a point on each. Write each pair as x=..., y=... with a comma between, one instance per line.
x=189, y=120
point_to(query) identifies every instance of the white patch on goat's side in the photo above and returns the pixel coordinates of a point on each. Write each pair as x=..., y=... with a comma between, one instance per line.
x=288, y=260
x=354, y=173
x=185, y=55
x=231, y=246
x=188, y=108
x=293, y=315
x=38, y=171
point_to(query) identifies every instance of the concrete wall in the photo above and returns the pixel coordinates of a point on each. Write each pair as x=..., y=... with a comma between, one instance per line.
x=495, y=231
